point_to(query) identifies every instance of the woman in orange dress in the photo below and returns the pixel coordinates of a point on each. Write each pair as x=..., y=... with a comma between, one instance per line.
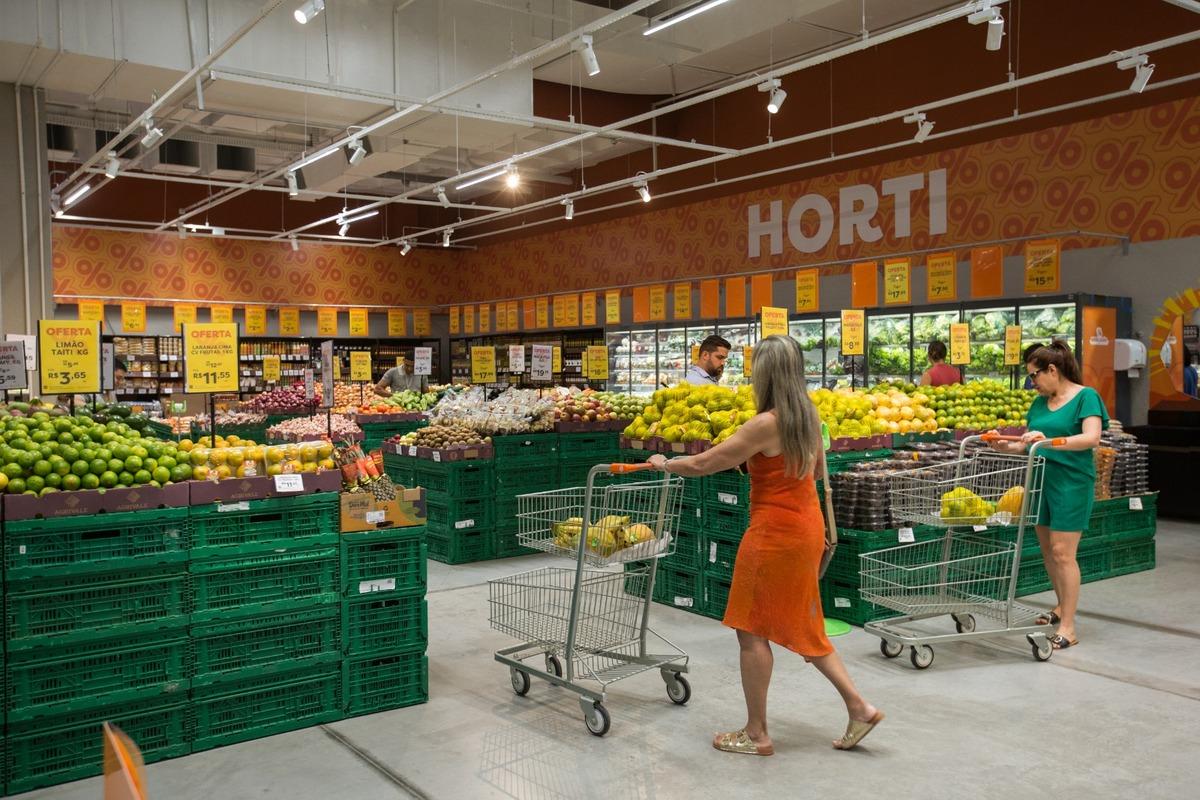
x=774, y=597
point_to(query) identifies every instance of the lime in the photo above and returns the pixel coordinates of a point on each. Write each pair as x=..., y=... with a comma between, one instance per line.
x=12, y=471
x=54, y=480
x=60, y=467
x=90, y=481
x=46, y=490
x=125, y=479
x=104, y=453
x=121, y=451
x=133, y=463
x=16, y=486
x=80, y=468
x=71, y=482
x=178, y=474
x=167, y=461
x=142, y=476
x=41, y=468
x=162, y=474
x=65, y=438
x=35, y=483
x=116, y=464
x=27, y=460
x=108, y=479
x=149, y=464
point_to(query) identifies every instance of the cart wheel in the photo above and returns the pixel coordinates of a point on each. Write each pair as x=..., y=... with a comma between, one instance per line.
x=520, y=681
x=679, y=690
x=890, y=649
x=964, y=623
x=597, y=720
x=553, y=665
x=922, y=656
x=1042, y=651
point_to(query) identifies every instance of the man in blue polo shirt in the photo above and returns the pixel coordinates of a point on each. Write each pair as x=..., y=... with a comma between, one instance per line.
x=708, y=370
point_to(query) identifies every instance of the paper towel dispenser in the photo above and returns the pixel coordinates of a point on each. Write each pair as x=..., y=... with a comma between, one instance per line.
x=1129, y=355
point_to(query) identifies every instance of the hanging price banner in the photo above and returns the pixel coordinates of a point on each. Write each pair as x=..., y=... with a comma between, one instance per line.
x=747, y=360
x=327, y=322
x=557, y=360
x=612, y=308
x=483, y=365
x=695, y=354
x=774, y=322
x=289, y=322
x=485, y=318
x=185, y=313
x=468, y=313
x=221, y=314
x=271, y=370
x=587, y=314
x=854, y=325
x=683, y=300
x=1042, y=266
x=543, y=362
x=516, y=358
x=422, y=360
x=359, y=324
x=455, y=321
x=808, y=291
x=597, y=363
x=422, y=322
x=256, y=320
x=543, y=312
x=941, y=272
x=571, y=315
x=210, y=357
x=92, y=311
x=896, y=282
x=360, y=366
x=397, y=324
x=337, y=367
x=1012, y=345
x=514, y=315
x=133, y=317
x=559, y=312
x=658, y=303
x=69, y=356
x=960, y=343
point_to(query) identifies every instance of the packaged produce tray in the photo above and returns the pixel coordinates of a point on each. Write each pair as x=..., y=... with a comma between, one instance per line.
x=267, y=644
x=226, y=530
x=382, y=682
x=376, y=624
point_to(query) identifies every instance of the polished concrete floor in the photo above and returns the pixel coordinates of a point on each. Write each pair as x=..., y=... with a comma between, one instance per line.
x=1114, y=718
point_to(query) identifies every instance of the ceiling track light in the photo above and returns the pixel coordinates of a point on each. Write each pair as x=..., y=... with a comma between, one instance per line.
x=478, y=179
x=995, y=25
x=512, y=178
x=357, y=152
x=217, y=230
x=695, y=10
x=774, y=88
x=75, y=195
x=358, y=217
x=295, y=244
x=112, y=167
x=1142, y=71
x=293, y=184
x=307, y=12
x=446, y=234
x=569, y=206
x=587, y=54
x=153, y=134
x=405, y=247
x=643, y=188
x=441, y=196
x=924, y=126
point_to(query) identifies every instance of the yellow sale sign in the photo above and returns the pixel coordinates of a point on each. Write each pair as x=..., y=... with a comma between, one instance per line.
x=91, y=310
x=185, y=313
x=69, y=356
x=940, y=271
x=256, y=321
x=483, y=365
x=271, y=369
x=587, y=313
x=397, y=324
x=513, y=312
x=896, y=282
x=747, y=360
x=1042, y=266
x=133, y=317
x=808, y=291
x=327, y=322
x=485, y=318
x=658, y=303
x=612, y=308
x=542, y=320
x=360, y=366
x=597, y=363
x=210, y=357
x=854, y=329
x=455, y=320
x=557, y=360
x=774, y=321
x=359, y=325
x=1012, y=345
x=222, y=314
x=683, y=300
x=289, y=322
x=960, y=343
x=422, y=322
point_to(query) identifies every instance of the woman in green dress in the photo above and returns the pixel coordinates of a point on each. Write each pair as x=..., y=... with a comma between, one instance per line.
x=1064, y=408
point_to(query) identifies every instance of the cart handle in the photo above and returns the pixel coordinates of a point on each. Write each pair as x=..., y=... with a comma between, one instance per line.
x=621, y=469
x=1000, y=437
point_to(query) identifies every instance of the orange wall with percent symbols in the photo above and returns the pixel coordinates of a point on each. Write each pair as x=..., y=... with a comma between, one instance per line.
x=1134, y=172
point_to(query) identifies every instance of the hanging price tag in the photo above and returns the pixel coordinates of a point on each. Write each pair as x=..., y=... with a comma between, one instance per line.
x=396, y=322
x=612, y=308
x=854, y=324
x=289, y=322
x=543, y=361
x=941, y=278
x=516, y=358
x=774, y=321
x=133, y=317
x=327, y=322
x=271, y=369
x=483, y=365
x=896, y=282
x=597, y=363
x=747, y=361
x=184, y=313
x=359, y=326
x=360, y=366
x=556, y=359
x=256, y=320
x=960, y=343
x=289, y=483
x=422, y=322
x=808, y=297
x=422, y=360
x=1012, y=345
x=210, y=357
x=221, y=314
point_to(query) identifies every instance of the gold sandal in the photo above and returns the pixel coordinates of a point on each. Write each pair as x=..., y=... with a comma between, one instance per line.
x=740, y=742
x=857, y=731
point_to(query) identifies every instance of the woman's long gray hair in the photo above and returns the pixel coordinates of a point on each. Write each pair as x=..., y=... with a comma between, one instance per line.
x=780, y=386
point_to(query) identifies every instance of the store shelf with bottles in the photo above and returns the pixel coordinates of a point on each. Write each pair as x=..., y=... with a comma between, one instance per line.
x=154, y=365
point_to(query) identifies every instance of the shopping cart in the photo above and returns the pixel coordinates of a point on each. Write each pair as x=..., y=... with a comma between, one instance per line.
x=594, y=615
x=972, y=570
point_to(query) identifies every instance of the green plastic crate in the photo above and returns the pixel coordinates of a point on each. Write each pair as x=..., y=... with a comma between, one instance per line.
x=687, y=553
x=506, y=544
x=525, y=448
x=459, y=547
x=456, y=479
x=264, y=645
x=716, y=595
x=1115, y=522
x=401, y=469
x=391, y=561
x=843, y=601
x=719, y=552
x=1121, y=505
x=382, y=682
x=264, y=706
x=721, y=518
x=385, y=624
x=262, y=526
x=506, y=508
x=96, y=675
x=1133, y=556
x=264, y=584
x=461, y=514
x=66, y=611
x=574, y=472
x=599, y=446
x=852, y=543
x=728, y=488
x=41, y=548
x=71, y=746
x=529, y=479
x=679, y=587
x=691, y=519
x=376, y=433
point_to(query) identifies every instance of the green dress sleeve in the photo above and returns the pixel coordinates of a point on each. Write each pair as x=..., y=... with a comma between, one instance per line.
x=1091, y=405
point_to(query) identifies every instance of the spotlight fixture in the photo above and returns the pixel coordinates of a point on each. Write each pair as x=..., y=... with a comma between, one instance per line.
x=113, y=166
x=569, y=205
x=293, y=184
x=1142, y=71
x=588, y=54
x=512, y=178
x=153, y=134
x=181, y=230
x=405, y=247
x=56, y=205
x=342, y=230
x=295, y=244
x=446, y=234
x=776, y=94
x=699, y=8
x=307, y=12
x=995, y=25
x=75, y=195
x=924, y=126
x=357, y=152
x=441, y=196
x=643, y=189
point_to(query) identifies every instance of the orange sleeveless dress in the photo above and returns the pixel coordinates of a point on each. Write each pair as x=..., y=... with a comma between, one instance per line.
x=774, y=593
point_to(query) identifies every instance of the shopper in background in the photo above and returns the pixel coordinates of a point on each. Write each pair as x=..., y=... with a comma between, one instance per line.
x=1189, y=373
x=774, y=596
x=711, y=366
x=400, y=378
x=939, y=373
x=1064, y=408
x=1029, y=351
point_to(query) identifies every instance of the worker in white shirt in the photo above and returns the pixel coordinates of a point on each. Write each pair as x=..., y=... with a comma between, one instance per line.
x=711, y=366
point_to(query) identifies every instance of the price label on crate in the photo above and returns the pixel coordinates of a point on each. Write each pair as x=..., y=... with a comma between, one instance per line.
x=712, y=553
x=412, y=451
x=378, y=585
x=289, y=483
x=684, y=602
x=463, y=524
x=907, y=535
x=841, y=602
x=727, y=499
x=376, y=517
x=1135, y=504
x=70, y=356
x=210, y=357
x=980, y=528
x=437, y=456
x=224, y=508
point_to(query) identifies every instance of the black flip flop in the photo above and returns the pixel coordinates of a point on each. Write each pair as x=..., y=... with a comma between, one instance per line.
x=1048, y=619
x=1062, y=642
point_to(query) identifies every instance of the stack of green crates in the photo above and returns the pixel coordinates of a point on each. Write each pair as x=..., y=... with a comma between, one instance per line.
x=525, y=464
x=459, y=507
x=376, y=433
x=266, y=617
x=96, y=628
x=384, y=620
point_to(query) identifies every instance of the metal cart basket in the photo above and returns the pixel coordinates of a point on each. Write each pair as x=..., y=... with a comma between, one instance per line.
x=590, y=621
x=970, y=571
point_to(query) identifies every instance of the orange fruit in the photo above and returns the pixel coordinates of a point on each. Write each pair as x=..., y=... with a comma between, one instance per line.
x=199, y=472
x=224, y=472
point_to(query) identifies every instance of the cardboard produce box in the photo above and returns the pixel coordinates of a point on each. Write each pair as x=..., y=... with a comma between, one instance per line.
x=362, y=512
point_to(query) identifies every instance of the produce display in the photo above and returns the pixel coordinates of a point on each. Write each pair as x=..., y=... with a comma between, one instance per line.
x=686, y=413
x=234, y=458
x=407, y=400
x=281, y=399
x=316, y=427
x=584, y=406
x=513, y=411
x=622, y=406
x=361, y=473
x=439, y=436
x=225, y=419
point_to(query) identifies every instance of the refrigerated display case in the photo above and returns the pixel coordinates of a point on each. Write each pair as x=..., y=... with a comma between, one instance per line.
x=889, y=348
x=836, y=374
x=674, y=355
x=618, y=361
x=739, y=336
x=643, y=361
x=987, y=342
x=810, y=333
x=928, y=327
x=1045, y=322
